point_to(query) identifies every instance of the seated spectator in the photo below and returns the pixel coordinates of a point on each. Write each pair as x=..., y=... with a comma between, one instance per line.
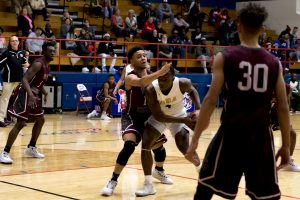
x=295, y=94
x=293, y=38
x=195, y=16
x=118, y=25
x=89, y=28
x=287, y=30
x=154, y=13
x=268, y=44
x=105, y=49
x=213, y=16
x=154, y=39
x=143, y=16
x=165, y=11
x=222, y=18
x=148, y=29
x=176, y=49
x=107, y=8
x=83, y=50
x=65, y=27
x=131, y=24
x=180, y=25
x=66, y=15
x=96, y=7
x=19, y=4
x=39, y=6
x=2, y=41
x=21, y=38
x=34, y=43
x=160, y=30
x=25, y=22
x=71, y=44
x=166, y=51
x=47, y=32
x=104, y=98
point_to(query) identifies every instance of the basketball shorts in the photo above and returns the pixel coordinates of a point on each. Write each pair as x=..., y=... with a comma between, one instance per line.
x=235, y=152
x=162, y=127
x=19, y=107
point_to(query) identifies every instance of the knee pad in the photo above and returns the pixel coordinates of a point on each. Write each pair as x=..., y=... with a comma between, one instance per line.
x=125, y=153
x=159, y=154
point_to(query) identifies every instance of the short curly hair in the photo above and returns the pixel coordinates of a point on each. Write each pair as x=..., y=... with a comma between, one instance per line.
x=252, y=17
x=132, y=51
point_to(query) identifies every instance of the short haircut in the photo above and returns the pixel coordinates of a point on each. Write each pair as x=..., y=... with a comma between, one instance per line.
x=252, y=17
x=48, y=44
x=110, y=75
x=172, y=70
x=133, y=50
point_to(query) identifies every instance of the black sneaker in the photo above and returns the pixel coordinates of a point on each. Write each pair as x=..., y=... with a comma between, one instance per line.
x=3, y=124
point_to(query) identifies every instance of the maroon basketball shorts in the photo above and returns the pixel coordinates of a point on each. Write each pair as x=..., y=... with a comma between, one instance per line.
x=235, y=152
x=20, y=108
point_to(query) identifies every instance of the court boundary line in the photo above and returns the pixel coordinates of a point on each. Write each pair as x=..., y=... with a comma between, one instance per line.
x=38, y=190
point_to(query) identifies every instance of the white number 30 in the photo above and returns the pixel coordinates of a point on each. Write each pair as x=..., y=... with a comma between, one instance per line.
x=251, y=81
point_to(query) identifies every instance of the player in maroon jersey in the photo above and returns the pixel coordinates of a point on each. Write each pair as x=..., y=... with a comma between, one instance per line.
x=244, y=142
x=28, y=103
x=136, y=113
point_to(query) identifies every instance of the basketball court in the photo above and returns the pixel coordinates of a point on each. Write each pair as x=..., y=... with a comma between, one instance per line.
x=80, y=156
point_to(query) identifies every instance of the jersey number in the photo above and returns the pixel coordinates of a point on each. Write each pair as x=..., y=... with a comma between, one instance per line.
x=258, y=81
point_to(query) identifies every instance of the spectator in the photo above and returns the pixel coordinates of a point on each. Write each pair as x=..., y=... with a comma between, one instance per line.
x=160, y=30
x=195, y=16
x=38, y=6
x=19, y=4
x=65, y=27
x=105, y=49
x=293, y=38
x=47, y=32
x=2, y=41
x=89, y=28
x=165, y=11
x=165, y=51
x=71, y=44
x=104, y=98
x=213, y=16
x=25, y=22
x=66, y=15
x=154, y=39
x=107, y=8
x=96, y=7
x=180, y=25
x=34, y=43
x=131, y=24
x=154, y=12
x=143, y=16
x=118, y=24
x=295, y=94
x=21, y=38
x=287, y=30
x=176, y=49
x=148, y=28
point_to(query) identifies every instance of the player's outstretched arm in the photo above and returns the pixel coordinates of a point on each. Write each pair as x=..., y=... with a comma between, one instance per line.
x=120, y=82
x=134, y=81
x=284, y=120
x=208, y=104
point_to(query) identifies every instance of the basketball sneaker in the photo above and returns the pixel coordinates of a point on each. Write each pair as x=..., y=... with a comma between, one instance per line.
x=5, y=158
x=292, y=166
x=92, y=114
x=33, y=152
x=85, y=70
x=97, y=70
x=109, y=188
x=147, y=189
x=162, y=177
x=104, y=116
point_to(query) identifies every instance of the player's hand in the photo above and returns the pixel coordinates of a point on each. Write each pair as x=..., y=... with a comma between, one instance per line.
x=191, y=123
x=32, y=101
x=191, y=152
x=115, y=100
x=166, y=68
x=284, y=154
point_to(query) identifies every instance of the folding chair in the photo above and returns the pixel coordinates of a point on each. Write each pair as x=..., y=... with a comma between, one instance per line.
x=84, y=97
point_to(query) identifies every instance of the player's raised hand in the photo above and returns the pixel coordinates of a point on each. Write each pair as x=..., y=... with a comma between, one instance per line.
x=284, y=154
x=166, y=68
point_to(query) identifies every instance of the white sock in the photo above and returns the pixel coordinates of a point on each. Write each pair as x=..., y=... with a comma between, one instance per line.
x=148, y=179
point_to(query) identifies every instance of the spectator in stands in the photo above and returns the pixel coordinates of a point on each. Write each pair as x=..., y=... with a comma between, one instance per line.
x=131, y=24
x=213, y=16
x=262, y=37
x=104, y=98
x=107, y=8
x=165, y=51
x=293, y=38
x=154, y=39
x=19, y=4
x=160, y=30
x=118, y=25
x=2, y=41
x=34, y=43
x=295, y=94
x=195, y=16
x=154, y=12
x=268, y=43
x=65, y=27
x=287, y=30
x=165, y=11
x=39, y=6
x=222, y=18
x=148, y=29
x=180, y=25
x=176, y=49
x=83, y=50
x=89, y=28
x=71, y=44
x=65, y=16
x=96, y=7
x=25, y=22
x=106, y=49
x=143, y=16
x=47, y=32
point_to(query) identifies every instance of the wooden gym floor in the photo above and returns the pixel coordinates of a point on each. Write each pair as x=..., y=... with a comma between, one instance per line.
x=80, y=156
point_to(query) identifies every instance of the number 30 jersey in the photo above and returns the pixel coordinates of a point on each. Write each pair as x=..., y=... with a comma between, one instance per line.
x=250, y=76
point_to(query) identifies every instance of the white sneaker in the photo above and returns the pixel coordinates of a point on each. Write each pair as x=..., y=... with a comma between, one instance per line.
x=92, y=114
x=162, y=177
x=112, y=70
x=33, y=152
x=97, y=70
x=148, y=189
x=292, y=166
x=5, y=158
x=104, y=116
x=109, y=188
x=85, y=70
x=104, y=69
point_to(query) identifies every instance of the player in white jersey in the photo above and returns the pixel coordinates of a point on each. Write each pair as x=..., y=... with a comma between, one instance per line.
x=165, y=99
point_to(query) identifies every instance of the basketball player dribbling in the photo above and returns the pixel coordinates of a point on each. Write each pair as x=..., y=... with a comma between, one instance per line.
x=244, y=142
